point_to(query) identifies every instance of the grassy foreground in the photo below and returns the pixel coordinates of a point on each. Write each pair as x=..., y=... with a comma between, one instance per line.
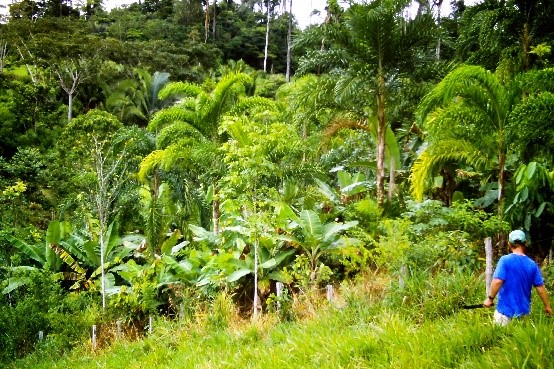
x=360, y=331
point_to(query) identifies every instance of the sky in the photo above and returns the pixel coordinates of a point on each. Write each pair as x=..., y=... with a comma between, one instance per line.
x=303, y=9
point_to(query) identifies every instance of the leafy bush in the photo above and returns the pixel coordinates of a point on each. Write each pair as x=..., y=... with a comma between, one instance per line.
x=281, y=306
x=42, y=305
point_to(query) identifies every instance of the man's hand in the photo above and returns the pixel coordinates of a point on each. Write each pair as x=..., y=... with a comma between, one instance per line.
x=488, y=303
x=548, y=310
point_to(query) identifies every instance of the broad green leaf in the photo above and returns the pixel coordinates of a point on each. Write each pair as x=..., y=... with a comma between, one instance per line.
x=204, y=235
x=179, y=246
x=528, y=220
x=34, y=252
x=283, y=255
x=170, y=242
x=355, y=188
x=524, y=194
x=344, y=178
x=327, y=191
x=520, y=172
x=15, y=283
x=92, y=250
x=269, y=264
x=284, y=212
x=111, y=238
x=279, y=276
x=539, y=211
x=311, y=224
x=530, y=171
x=53, y=233
x=236, y=275
x=332, y=229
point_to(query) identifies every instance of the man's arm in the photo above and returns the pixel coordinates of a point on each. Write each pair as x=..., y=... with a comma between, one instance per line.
x=543, y=294
x=495, y=287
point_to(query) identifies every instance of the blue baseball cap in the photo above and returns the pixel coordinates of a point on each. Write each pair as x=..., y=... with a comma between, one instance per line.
x=516, y=236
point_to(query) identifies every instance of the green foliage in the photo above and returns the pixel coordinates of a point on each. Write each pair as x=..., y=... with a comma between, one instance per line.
x=428, y=330
x=41, y=305
x=315, y=238
x=431, y=237
x=281, y=306
x=137, y=301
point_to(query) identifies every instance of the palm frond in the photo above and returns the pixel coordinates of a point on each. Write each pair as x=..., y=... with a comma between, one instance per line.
x=177, y=132
x=150, y=163
x=169, y=116
x=433, y=158
x=179, y=89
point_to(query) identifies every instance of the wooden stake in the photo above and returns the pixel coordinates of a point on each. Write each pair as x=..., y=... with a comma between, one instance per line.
x=488, y=264
x=94, y=337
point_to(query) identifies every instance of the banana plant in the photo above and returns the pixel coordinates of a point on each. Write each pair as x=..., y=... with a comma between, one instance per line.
x=314, y=238
x=270, y=260
x=349, y=189
x=74, y=257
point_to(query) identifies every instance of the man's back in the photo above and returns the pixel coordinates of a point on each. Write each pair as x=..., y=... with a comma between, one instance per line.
x=519, y=273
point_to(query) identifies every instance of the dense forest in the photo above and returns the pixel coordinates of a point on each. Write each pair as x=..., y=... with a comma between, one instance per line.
x=163, y=157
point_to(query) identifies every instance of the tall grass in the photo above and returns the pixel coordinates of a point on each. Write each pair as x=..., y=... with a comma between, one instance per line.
x=368, y=326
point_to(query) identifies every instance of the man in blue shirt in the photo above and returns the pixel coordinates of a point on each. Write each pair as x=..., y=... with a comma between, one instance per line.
x=513, y=279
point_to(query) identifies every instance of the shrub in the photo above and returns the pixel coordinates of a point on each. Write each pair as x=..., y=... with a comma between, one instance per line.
x=42, y=305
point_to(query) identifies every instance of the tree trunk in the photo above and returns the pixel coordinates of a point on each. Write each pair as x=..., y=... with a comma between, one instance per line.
x=4, y=54
x=381, y=126
x=526, y=46
x=289, y=42
x=438, y=3
x=257, y=305
x=207, y=22
x=216, y=212
x=266, y=38
x=215, y=10
x=69, y=106
x=392, y=177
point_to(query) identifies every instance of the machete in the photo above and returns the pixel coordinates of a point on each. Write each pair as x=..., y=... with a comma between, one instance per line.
x=476, y=306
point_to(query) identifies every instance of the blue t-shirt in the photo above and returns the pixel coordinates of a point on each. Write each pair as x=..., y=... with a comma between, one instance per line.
x=519, y=273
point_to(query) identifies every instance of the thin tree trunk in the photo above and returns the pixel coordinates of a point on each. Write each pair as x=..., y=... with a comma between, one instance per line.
x=381, y=126
x=207, y=22
x=526, y=46
x=215, y=210
x=289, y=42
x=266, y=39
x=501, y=182
x=69, y=107
x=392, y=177
x=257, y=304
x=215, y=10
x=4, y=54
x=438, y=3
x=70, y=91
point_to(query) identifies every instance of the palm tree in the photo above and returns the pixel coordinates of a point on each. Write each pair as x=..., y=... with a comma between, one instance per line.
x=469, y=118
x=188, y=132
x=367, y=52
x=136, y=99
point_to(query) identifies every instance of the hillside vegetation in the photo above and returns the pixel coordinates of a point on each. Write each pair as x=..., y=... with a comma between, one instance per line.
x=212, y=168
x=365, y=327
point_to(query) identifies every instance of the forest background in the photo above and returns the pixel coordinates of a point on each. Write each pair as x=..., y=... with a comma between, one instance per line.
x=179, y=158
